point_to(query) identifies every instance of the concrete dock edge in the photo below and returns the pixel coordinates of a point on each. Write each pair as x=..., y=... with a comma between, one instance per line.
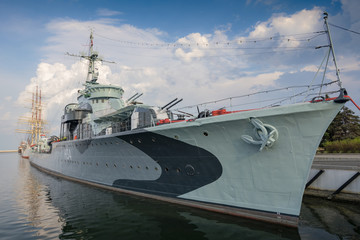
x=335, y=177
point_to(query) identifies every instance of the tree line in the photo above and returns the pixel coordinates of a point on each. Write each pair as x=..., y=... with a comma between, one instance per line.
x=343, y=134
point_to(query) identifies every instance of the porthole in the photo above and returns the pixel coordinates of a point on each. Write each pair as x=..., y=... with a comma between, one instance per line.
x=139, y=140
x=190, y=170
x=106, y=165
x=131, y=166
x=138, y=167
x=131, y=142
x=176, y=137
x=178, y=170
x=206, y=133
x=97, y=164
x=156, y=168
x=147, y=168
x=166, y=169
x=114, y=165
x=153, y=139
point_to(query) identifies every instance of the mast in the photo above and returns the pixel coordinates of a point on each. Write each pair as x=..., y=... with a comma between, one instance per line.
x=332, y=49
x=35, y=123
x=36, y=114
x=32, y=119
x=92, y=56
x=39, y=114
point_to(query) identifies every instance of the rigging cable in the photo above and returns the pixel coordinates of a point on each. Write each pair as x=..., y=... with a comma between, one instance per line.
x=238, y=41
x=325, y=57
x=312, y=87
x=345, y=29
x=326, y=65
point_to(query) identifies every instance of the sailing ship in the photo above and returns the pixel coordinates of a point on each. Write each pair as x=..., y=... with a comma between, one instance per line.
x=35, y=127
x=252, y=163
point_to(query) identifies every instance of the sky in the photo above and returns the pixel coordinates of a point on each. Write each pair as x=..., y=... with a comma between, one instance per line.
x=199, y=50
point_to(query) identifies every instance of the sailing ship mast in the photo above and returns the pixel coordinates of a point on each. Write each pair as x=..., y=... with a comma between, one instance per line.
x=35, y=122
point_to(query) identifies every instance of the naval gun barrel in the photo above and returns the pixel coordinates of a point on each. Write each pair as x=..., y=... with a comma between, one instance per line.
x=132, y=97
x=174, y=104
x=137, y=97
x=168, y=103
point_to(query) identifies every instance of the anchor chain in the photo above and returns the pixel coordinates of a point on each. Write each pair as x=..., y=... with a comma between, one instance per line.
x=265, y=134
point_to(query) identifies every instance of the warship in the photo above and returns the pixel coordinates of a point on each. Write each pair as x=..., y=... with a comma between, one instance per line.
x=248, y=163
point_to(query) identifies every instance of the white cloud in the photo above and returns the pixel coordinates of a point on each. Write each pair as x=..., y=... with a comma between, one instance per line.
x=191, y=46
x=310, y=68
x=58, y=85
x=250, y=81
x=349, y=64
x=304, y=21
x=104, y=12
x=188, y=56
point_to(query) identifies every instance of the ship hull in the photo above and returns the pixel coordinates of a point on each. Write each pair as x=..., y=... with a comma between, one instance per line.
x=205, y=163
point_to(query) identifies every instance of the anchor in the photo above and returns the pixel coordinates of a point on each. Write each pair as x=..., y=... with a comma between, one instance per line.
x=265, y=134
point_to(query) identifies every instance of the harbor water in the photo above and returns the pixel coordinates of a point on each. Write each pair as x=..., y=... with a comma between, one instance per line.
x=35, y=205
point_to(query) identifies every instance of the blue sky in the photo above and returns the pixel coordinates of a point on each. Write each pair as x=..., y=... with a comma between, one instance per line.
x=34, y=35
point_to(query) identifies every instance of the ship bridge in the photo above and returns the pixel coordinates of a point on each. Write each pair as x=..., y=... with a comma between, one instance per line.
x=97, y=91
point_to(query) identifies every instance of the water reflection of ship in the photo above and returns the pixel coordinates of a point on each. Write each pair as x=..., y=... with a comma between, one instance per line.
x=35, y=205
x=94, y=213
x=22, y=148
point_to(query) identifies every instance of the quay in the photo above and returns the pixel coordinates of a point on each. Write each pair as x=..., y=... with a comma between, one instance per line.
x=335, y=176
